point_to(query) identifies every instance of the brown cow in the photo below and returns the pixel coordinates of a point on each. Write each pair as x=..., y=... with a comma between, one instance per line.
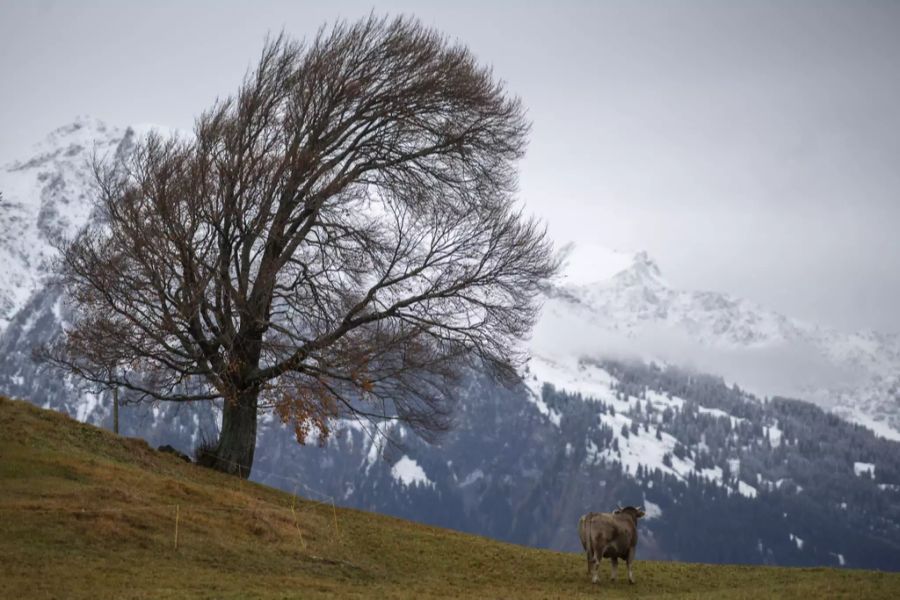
x=609, y=535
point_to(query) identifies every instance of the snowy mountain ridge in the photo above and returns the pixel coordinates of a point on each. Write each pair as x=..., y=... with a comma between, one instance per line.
x=624, y=308
x=607, y=303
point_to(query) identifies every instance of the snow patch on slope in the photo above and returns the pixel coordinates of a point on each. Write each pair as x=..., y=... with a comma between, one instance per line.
x=864, y=468
x=651, y=510
x=596, y=384
x=746, y=490
x=534, y=396
x=878, y=427
x=408, y=472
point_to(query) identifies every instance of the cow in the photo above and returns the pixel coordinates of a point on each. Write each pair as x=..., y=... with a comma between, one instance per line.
x=609, y=535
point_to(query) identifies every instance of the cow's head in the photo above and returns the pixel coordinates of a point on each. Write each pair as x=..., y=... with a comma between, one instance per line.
x=632, y=511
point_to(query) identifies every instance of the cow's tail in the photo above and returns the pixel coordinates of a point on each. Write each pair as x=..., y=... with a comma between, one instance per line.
x=590, y=541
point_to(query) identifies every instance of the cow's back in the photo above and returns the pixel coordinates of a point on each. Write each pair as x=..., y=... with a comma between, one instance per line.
x=611, y=535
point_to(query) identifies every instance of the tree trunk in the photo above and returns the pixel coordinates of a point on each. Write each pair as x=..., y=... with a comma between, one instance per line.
x=237, y=441
x=116, y=410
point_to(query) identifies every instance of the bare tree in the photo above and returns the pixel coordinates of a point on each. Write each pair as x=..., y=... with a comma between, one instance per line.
x=339, y=238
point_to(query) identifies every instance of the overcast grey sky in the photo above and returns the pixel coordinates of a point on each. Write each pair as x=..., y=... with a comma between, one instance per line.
x=749, y=147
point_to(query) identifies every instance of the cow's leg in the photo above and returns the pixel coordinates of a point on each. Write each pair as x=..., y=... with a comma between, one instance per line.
x=588, y=555
x=630, y=560
x=615, y=568
x=595, y=569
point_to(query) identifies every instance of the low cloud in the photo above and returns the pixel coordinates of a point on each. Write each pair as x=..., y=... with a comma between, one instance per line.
x=789, y=369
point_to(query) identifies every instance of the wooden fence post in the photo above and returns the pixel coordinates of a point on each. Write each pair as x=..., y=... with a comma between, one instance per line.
x=337, y=532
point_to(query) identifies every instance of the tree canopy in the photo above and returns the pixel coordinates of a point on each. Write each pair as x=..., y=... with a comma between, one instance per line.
x=340, y=237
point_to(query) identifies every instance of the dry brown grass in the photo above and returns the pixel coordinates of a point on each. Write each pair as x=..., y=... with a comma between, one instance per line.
x=87, y=514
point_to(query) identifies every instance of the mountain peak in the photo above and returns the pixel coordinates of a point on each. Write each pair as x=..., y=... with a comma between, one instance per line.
x=82, y=130
x=643, y=270
x=588, y=263
x=75, y=140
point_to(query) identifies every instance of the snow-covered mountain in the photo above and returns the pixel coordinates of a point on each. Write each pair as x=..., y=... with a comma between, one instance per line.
x=610, y=304
x=607, y=304
x=45, y=197
x=585, y=432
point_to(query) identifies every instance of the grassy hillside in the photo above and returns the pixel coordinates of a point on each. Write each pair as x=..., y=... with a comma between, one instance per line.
x=87, y=514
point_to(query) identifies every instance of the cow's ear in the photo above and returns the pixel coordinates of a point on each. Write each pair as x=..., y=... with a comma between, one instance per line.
x=641, y=512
